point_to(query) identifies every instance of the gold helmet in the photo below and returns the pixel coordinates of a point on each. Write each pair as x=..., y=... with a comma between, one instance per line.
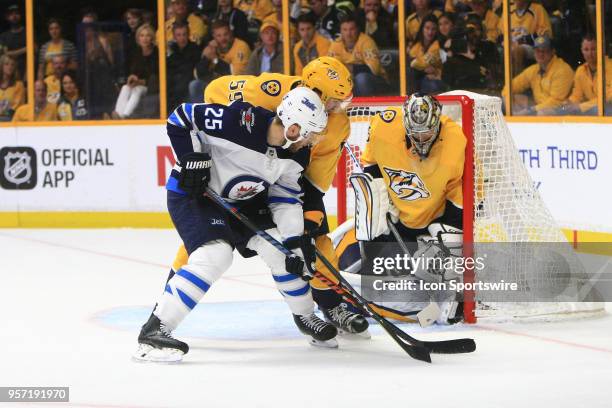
x=330, y=77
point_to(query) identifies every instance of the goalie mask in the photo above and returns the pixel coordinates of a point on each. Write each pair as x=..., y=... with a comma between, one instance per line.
x=422, y=122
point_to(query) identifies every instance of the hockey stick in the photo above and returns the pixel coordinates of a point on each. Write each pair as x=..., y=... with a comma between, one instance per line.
x=415, y=348
x=454, y=346
x=417, y=352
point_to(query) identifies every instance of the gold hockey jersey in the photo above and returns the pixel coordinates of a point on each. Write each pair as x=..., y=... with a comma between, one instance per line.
x=266, y=90
x=418, y=187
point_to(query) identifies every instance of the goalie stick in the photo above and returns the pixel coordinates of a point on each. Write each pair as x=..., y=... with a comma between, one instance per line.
x=417, y=349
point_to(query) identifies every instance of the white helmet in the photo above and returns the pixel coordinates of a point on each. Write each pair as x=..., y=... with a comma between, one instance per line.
x=302, y=106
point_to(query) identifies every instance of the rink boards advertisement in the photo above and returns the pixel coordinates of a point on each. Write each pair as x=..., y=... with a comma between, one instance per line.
x=122, y=169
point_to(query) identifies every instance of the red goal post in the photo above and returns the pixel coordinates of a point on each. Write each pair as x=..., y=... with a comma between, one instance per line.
x=360, y=111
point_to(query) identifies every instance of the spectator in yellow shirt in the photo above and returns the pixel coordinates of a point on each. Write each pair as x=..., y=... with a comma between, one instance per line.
x=54, y=81
x=43, y=110
x=57, y=45
x=426, y=58
x=12, y=90
x=549, y=79
x=277, y=16
x=197, y=27
x=527, y=20
x=224, y=46
x=583, y=99
x=312, y=45
x=224, y=55
x=255, y=9
x=360, y=54
x=490, y=20
x=414, y=20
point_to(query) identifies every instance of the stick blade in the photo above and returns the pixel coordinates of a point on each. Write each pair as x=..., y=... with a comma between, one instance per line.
x=455, y=346
x=415, y=350
x=418, y=353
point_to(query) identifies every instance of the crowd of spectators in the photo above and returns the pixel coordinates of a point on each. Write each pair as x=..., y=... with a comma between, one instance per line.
x=450, y=44
x=111, y=68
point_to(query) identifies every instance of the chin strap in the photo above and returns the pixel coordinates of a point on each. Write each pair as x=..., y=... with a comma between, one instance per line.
x=289, y=142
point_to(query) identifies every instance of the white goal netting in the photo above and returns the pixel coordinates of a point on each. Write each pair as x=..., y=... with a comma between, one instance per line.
x=510, y=220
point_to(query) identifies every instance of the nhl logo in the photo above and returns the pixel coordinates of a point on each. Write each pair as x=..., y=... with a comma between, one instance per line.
x=18, y=168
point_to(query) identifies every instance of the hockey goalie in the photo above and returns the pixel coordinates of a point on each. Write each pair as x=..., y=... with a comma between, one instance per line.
x=409, y=200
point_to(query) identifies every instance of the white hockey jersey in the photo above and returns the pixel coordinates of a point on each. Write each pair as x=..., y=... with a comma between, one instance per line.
x=244, y=165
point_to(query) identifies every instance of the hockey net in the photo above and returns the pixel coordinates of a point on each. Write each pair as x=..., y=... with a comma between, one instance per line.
x=501, y=204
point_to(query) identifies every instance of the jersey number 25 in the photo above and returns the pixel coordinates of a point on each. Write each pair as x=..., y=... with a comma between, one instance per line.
x=211, y=123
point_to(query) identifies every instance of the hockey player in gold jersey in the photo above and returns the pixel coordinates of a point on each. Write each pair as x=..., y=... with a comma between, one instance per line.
x=413, y=169
x=332, y=81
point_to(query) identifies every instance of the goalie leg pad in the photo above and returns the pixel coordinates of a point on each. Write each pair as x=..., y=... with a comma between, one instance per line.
x=372, y=204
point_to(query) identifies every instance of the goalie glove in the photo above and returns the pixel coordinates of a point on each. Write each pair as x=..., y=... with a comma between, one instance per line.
x=448, y=237
x=372, y=203
x=439, y=252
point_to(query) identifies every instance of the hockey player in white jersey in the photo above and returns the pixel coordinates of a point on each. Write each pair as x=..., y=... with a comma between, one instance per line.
x=242, y=153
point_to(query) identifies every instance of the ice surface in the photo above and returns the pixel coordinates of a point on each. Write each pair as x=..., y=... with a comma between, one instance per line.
x=72, y=302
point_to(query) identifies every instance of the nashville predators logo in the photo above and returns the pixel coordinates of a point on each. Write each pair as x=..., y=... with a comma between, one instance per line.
x=332, y=74
x=420, y=112
x=387, y=115
x=407, y=186
x=272, y=87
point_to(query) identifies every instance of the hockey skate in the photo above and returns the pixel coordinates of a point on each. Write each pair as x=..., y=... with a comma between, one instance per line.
x=349, y=324
x=319, y=332
x=156, y=344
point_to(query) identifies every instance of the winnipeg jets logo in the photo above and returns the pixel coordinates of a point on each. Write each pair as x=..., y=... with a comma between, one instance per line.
x=408, y=186
x=17, y=167
x=309, y=104
x=244, y=187
x=245, y=192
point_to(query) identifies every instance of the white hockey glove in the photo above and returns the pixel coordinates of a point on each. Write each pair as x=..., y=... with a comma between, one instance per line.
x=372, y=203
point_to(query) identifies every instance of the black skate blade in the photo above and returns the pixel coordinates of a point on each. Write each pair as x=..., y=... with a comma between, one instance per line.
x=455, y=346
